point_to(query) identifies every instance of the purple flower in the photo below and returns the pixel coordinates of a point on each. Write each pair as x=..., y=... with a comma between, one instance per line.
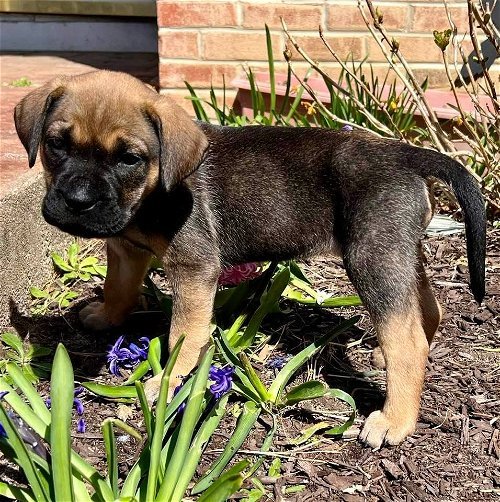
x=77, y=403
x=126, y=358
x=3, y=433
x=182, y=407
x=80, y=427
x=347, y=128
x=3, y=393
x=222, y=378
x=277, y=362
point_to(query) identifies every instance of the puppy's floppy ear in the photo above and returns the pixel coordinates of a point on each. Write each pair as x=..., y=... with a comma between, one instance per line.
x=30, y=115
x=182, y=142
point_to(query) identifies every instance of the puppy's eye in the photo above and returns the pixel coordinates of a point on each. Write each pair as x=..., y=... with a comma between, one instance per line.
x=56, y=143
x=130, y=159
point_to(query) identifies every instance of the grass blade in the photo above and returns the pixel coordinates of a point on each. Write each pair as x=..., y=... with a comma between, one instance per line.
x=254, y=378
x=229, y=483
x=142, y=368
x=154, y=355
x=270, y=60
x=246, y=421
x=189, y=420
x=15, y=493
x=23, y=457
x=111, y=391
x=42, y=429
x=61, y=404
x=268, y=303
x=36, y=402
x=195, y=451
x=146, y=412
x=297, y=361
x=161, y=405
x=110, y=444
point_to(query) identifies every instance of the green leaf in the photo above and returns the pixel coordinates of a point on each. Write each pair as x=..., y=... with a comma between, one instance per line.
x=268, y=303
x=111, y=391
x=154, y=355
x=230, y=482
x=309, y=432
x=140, y=370
x=245, y=423
x=254, y=378
x=14, y=341
x=189, y=420
x=61, y=404
x=159, y=421
x=100, y=270
x=307, y=390
x=16, y=493
x=197, y=447
x=23, y=457
x=111, y=456
x=87, y=262
x=275, y=468
x=73, y=254
x=342, y=301
x=30, y=393
x=343, y=396
x=298, y=360
x=38, y=293
x=60, y=263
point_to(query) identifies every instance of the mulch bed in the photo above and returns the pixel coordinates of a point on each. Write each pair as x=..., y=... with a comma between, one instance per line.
x=455, y=453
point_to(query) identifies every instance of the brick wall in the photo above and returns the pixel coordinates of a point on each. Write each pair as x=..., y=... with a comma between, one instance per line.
x=200, y=41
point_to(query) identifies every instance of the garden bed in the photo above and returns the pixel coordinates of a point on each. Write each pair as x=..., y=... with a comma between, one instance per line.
x=454, y=454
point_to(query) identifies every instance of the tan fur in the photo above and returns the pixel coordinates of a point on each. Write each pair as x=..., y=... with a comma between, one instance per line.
x=405, y=377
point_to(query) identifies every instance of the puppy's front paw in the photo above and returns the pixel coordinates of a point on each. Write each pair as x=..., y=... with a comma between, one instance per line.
x=380, y=429
x=152, y=388
x=94, y=317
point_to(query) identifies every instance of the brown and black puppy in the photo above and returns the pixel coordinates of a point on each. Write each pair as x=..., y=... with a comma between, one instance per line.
x=126, y=164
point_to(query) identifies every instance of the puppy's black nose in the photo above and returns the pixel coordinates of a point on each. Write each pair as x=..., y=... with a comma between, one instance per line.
x=79, y=200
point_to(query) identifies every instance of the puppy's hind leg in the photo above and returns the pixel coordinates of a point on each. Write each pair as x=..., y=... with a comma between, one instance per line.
x=127, y=267
x=387, y=281
x=429, y=308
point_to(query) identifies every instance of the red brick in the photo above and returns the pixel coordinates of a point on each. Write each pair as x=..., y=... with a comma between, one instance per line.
x=239, y=46
x=414, y=49
x=426, y=19
x=198, y=74
x=348, y=17
x=316, y=49
x=181, y=97
x=302, y=17
x=196, y=14
x=179, y=44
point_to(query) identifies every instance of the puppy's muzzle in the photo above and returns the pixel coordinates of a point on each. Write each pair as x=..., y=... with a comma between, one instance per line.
x=79, y=199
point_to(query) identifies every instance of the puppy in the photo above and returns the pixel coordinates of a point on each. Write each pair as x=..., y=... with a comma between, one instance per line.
x=126, y=164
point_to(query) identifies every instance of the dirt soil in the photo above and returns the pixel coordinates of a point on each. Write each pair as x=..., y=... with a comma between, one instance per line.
x=455, y=453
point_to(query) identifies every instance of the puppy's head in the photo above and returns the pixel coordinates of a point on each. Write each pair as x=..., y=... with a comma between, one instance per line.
x=106, y=141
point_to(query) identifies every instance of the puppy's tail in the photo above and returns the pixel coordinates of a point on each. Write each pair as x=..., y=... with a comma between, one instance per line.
x=471, y=201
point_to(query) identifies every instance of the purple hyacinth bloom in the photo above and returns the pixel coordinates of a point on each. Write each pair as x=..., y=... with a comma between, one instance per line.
x=222, y=378
x=277, y=362
x=77, y=402
x=347, y=128
x=182, y=407
x=126, y=357
x=3, y=433
x=80, y=427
